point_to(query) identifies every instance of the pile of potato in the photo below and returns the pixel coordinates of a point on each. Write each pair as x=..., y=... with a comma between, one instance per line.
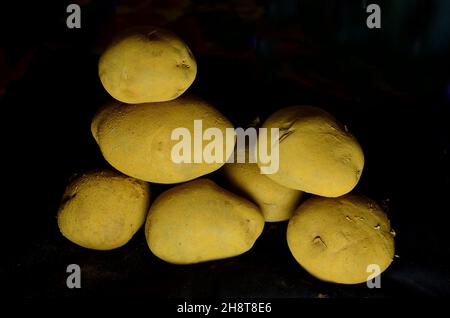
x=333, y=235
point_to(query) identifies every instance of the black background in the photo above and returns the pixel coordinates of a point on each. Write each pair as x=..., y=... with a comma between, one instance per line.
x=391, y=87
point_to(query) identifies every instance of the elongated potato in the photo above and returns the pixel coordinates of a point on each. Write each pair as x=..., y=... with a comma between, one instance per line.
x=276, y=202
x=341, y=240
x=199, y=221
x=102, y=210
x=316, y=155
x=137, y=139
x=147, y=64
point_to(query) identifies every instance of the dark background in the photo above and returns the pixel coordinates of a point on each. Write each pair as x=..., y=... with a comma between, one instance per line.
x=390, y=86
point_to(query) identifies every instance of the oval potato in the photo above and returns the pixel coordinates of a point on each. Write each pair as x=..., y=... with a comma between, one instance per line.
x=338, y=239
x=316, y=155
x=199, y=221
x=137, y=139
x=102, y=210
x=147, y=64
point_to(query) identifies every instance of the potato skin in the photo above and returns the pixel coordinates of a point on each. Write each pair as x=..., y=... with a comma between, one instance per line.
x=102, y=209
x=316, y=155
x=147, y=64
x=136, y=139
x=276, y=202
x=199, y=221
x=336, y=239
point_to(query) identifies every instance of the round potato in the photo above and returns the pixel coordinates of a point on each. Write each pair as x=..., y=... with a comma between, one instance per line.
x=102, y=210
x=137, y=139
x=147, y=64
x=316, y=155
x=199, y=221
x=275, y=201
x=338, y=239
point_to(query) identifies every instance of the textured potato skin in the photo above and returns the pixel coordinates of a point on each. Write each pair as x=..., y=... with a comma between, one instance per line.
x=136, y=139
x=276, y=202
x=336, y=239
x=199, y=221
x=102, y=209
x=147, y=64
x=317, y=155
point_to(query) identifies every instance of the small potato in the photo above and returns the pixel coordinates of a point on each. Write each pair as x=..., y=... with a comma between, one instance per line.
x=137, y=139
x=316, y=154
x=275, y=201
x=147, y=64
x=102, y=210
x=199, y=221
x=337, y=239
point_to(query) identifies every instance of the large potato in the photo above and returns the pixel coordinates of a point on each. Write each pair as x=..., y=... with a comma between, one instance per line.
x=102, y=210
x=147, y=64
x=316, y=155
x=136, y=139
x=336, y=239
x=275, y=201
x=199, y=221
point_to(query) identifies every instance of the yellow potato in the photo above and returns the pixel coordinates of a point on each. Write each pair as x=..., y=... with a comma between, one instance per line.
x=275, y=201
x=102, y=210
x=136, y=139
x=147, y=64
x=337, y=239
x=316, y=155
x=199, y=221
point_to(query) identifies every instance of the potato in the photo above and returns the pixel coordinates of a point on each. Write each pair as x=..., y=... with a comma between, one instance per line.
x=102, y=210
x=136, y=139
x=147, y=64
x=199, y=221
x=336, y=239
x=316, y=155
x=275, y=201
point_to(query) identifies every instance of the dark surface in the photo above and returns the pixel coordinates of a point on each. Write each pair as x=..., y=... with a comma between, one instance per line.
x=392, y=98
